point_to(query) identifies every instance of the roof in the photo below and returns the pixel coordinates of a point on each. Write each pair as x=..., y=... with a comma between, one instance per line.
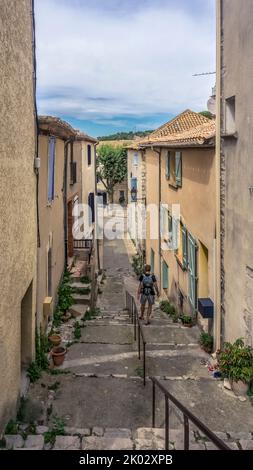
x=83, y=136
x=189, y=128
x=56, y=126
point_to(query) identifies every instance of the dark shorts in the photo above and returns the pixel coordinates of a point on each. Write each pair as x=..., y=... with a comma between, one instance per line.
x=147, y=298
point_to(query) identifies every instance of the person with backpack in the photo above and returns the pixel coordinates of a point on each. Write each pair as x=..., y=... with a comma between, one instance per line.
x=146, y=292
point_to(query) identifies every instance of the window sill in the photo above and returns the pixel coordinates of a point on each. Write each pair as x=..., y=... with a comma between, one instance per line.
x=180, y=262
x=173, y=186
x=231, y=135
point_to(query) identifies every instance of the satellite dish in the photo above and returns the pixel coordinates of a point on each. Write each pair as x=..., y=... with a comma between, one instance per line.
x=211, y=105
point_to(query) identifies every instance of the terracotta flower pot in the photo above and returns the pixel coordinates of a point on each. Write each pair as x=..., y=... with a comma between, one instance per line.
x=58, y=355
x=240, y=388
x=55, y=339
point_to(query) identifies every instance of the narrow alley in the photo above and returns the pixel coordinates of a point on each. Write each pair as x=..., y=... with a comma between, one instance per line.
x=100, y=395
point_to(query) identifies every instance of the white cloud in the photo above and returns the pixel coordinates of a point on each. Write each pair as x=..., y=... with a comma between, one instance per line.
x=138, y=64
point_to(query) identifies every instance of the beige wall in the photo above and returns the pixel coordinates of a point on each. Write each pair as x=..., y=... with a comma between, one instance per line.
x=17, y=201
x=197, y=206
x=237, y=173
x=152, y=197
x=51, y=225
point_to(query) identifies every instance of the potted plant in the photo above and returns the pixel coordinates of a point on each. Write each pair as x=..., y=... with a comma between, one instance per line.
x=186, y=320
x=206, y=342
x=55, y=339
x=58, y=355
x=236, y=364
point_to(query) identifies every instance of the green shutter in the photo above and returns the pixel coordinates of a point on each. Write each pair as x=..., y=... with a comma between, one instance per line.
x=167, y=170
x=192, y=271
x=178, y=167
x=165, y=275
x=184, y=246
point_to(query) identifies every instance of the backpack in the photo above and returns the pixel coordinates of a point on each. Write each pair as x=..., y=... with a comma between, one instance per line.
x=147, y=283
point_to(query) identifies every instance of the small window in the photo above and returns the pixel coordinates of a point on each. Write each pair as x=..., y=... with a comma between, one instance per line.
x=230, y=115
x=135, y=159
x=181, y=253
x=173, y=168
x=51, y=165
x=152, y=260
x=89, y=154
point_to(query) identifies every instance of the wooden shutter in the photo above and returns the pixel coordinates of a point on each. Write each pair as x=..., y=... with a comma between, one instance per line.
x=178, y=168
x=165, y=275
x=167, y=166
x=192, y=271
x=184, y=246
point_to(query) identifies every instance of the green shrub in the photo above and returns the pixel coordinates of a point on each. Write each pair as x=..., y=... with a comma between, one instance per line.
x=57, y=429
x=186, y=319
x=65, y=299
x=236, y=361
x=34, y=372
x=138, y=264
x=168, y=308
x=12, y=427
x=206, y=341
x=77, y=330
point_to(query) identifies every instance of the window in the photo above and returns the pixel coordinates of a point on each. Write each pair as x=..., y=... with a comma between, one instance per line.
x=89, y=154
x=181, y=253
x=173, y=168
x=165, y=270
x=51, y=165
x=72, y=172
x=173, y=232
x=192, y=271
x=134, y=189
x=135, y=159
x=230, y=115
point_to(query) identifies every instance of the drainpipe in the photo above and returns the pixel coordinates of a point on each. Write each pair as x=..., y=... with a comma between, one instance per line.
x=217, y=316
x=159, y=214
x=65, y=186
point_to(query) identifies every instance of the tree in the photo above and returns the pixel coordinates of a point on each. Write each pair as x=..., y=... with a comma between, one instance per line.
x=111, y=166
x=207, y=114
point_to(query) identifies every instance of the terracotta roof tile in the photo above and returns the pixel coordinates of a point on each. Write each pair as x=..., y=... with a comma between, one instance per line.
x=187, y=128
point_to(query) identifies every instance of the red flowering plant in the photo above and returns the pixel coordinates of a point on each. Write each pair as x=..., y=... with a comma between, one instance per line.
x=236, y=361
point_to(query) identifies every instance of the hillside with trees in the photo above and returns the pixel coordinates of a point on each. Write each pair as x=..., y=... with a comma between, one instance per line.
x=124, y=135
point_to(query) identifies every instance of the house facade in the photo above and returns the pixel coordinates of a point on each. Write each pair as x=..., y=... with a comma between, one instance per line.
x=136, y=190
x=180, y=197
x=235, y=169
x=18, y=234
x=55, y=149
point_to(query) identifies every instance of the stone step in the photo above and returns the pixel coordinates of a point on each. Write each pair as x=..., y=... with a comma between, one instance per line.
x=99, y=438
x=80, y=285
x=81, y=299
x=78, y=309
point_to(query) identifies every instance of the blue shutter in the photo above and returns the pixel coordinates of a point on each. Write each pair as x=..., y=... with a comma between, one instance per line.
x=51, y=164
x=192, y=271
x=165, y=275
x=184, y=246
x=167, y=166
x=178, y=168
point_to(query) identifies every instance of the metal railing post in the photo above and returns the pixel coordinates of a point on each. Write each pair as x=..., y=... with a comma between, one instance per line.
x=153, y=405
x=144, y=363
x=186, y=433
x=139, y=340
x=166, y=423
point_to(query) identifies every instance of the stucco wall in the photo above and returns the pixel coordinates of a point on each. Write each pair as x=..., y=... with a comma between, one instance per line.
x=17, y=199
x=237, y=173
x=51, y=224
x=197, y=208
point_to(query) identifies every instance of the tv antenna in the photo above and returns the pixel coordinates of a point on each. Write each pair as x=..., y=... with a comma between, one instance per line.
x=203, y=73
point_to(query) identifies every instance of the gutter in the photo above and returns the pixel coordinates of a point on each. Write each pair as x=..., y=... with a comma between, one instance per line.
x=217, y=316
x=159, y=214
x=65, y=186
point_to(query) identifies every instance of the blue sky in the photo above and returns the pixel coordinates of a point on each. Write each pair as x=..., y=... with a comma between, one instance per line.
x=116, y=65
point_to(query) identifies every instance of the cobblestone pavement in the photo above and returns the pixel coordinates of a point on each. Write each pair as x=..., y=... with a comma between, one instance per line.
x=99, y=393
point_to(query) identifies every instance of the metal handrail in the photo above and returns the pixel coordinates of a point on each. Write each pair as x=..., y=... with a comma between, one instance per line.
x=188, y=416
x=133, y=312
